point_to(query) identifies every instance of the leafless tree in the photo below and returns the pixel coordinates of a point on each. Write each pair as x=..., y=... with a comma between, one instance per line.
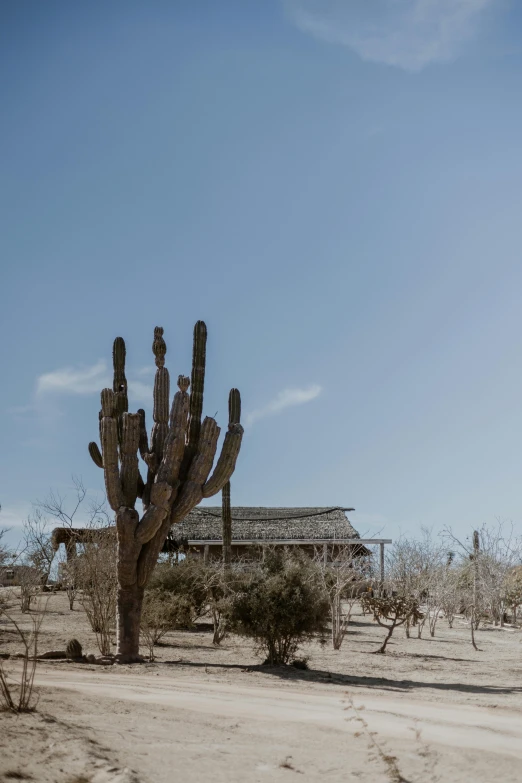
x=342, y=578
x=4, y=551
x=30, y=583
x=390, y=612
x=38, y=551
x=488, y=559
x=414, y=567
x=38, y=546
x=94, y=572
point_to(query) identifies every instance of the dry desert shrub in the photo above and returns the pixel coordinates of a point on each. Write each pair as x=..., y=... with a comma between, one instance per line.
x=94, y=571
x=17, y=687
x=280, y=605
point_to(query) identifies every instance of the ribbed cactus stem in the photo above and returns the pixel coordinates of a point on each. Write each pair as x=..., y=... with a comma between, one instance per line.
x=129, y=457
x=95, y=453
x=230, y=450
x=109, y=432
x=199, y=355
x=159, y=347
x=144, y=438
x=234, y=407
x=118, y=362
x=160, y=411
x=226, y=514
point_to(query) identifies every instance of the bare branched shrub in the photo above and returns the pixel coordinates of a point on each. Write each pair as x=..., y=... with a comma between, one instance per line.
x=30, y=584
x=280, y=604
x=17, y=690
x=5, y=554
x=513, y=590
x=390, y=612
x=94, y=571
x=488, y=560
x=38, y=548
x=342, y=579
x=414, y=570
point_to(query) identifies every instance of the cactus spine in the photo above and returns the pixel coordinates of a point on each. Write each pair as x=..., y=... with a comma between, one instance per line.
x=179, y=458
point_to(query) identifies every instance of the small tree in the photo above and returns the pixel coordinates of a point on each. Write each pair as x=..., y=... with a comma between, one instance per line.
x=95, y=573
x=187, y=581
x=4, y=551
x=413, y=570
x=30, y=582
x=161, y=613
x=281, y=605
x=391, y=612
x=341, y=578
x=513, y=590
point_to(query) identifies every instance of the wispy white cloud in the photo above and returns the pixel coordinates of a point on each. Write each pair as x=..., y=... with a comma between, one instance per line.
x=287, y=398
x=86, y=380
x=409, y=34
x=71, y=380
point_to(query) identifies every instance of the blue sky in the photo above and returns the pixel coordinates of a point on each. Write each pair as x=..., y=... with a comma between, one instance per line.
x=334, y=187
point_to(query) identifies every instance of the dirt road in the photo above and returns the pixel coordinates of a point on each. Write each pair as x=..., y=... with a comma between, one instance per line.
x=166, y=728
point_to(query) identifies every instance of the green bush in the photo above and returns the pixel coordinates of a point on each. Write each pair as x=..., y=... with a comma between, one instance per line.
x=186, y=581
x=162, y=612
x=281, y=605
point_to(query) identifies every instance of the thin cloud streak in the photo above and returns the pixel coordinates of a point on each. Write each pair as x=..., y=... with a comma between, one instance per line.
x=288, y=398
x=87, y=380
x=408, y=34
x=74, y=381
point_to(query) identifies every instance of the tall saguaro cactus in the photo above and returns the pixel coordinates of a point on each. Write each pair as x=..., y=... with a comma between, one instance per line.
x=179, y=457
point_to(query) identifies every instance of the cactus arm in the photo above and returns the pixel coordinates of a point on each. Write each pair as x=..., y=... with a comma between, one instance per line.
x=226, y=462
x=109, y=431
x=192, y=491
x=119, y=383
x=227, y=459
x=174, y=446
x=156, y=513
x=129, y=457
x=190, y=496
x=165, y=487
x=199, y=353
x=95, y=453
x=144, y=439
x=161, y=397
x=199, y=356
x=234, y=407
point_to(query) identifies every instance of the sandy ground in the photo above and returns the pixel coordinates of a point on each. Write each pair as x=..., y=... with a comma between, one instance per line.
x=443, y=711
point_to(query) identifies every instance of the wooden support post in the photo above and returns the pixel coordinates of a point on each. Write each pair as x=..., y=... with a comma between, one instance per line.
x=205, y=554
x=381, y=563
x=325, y=554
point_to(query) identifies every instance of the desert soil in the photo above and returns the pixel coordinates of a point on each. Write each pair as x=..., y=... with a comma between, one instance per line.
x=428, y=710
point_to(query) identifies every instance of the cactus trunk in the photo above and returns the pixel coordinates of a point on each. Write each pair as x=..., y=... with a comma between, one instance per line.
x=179, y=456
x=129, y=603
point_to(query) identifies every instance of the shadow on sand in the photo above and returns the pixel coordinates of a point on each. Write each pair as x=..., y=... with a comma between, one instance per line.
x=325, y=677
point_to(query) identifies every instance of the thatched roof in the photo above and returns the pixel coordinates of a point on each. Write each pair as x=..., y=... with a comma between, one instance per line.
x=266, y=524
